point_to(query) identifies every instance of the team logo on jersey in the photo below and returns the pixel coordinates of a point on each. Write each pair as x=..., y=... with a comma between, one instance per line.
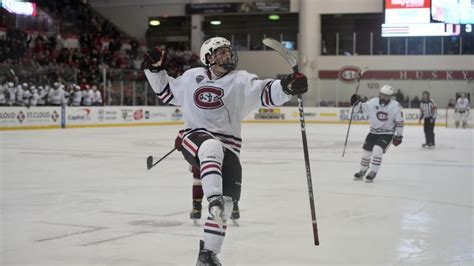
x=208, y=97
x=382, y=116
x=199, y=78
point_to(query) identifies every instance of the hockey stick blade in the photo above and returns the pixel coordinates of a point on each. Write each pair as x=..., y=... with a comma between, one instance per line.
x=149, y=162
x=285, y=53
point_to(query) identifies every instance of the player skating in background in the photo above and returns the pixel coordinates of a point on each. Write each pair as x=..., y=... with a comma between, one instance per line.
x=428, y=112
x=386, y=126
x=197, y=193
x=215, y=99
x=462, y=110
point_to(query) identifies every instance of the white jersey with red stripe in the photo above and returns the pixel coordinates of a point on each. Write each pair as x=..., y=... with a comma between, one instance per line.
x=384, y=119
x=462, y=105
x=217, y=105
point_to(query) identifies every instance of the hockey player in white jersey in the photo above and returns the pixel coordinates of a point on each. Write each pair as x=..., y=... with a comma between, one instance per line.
x=97, y=100
x=56, y=95
x=10, y=94
x=27, y=96
x=3, y=92
x=386, y=126
x=215, y=99
x=462, y=111
x=34, y=96
x=42, y=93
x=87, y=96
x=76, y=97
x=20, y=89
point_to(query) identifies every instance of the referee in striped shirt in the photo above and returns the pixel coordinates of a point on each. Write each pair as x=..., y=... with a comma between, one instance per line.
x=428, y=113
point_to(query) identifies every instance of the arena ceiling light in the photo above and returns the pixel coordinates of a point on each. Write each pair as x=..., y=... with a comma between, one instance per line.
x=216, y=22
x=274, y=17
x=154, y=22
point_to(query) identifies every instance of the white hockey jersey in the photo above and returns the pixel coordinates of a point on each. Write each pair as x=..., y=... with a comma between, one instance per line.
x=386, y=119
x=19, y=95
x=87, y=97
x=42, y=93
x=11, y=95
x=217, y=105
x=76, y=98
x=97, y=98
x=462, y=105
x=34, y=98
x=3, y=99
x=56, y=96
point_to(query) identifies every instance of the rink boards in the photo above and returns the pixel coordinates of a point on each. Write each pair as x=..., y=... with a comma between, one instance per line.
x=12, y=118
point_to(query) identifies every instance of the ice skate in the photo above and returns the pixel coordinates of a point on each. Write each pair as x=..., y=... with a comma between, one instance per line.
x=235, y=216
x=370, y=177
x=207, y=257
x=359, y=175
x=195, y=214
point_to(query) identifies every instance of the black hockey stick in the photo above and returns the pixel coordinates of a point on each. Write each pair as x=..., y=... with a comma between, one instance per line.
x=292, y=60
x=149, y=160
x=358, y=78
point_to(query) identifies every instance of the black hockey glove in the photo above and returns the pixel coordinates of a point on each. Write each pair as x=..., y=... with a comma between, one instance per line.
x=397, y=140
x=154, y=59
x=294, y=84
x=355, y=99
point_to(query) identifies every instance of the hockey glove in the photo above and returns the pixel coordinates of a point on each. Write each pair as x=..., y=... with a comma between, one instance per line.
x=178, y=141
x=294, y=84
x=154, y=59
x=355, y=99
x=397, y=140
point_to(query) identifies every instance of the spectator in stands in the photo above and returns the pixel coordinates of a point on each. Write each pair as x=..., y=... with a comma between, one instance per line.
x=415, y=103
x=399, y=96
x=451, y=103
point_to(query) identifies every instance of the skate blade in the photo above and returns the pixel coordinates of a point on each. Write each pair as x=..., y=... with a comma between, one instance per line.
x=236, y=222
x=358, y=179
x=369, y=181
x=196, y=222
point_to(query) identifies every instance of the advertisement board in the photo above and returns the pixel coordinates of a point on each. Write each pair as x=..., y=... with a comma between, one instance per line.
x=74, y=117
x=47, y=117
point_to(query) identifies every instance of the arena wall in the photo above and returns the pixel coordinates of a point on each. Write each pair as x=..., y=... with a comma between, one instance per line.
x=17, y=118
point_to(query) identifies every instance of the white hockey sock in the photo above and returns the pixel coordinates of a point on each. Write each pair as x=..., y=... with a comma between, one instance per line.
x=211, y=156
x=213, y=233
x=365, y=161
x=377, y=158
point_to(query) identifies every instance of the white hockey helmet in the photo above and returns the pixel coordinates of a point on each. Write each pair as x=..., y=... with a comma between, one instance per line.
x=211, y=45
x=387, y=90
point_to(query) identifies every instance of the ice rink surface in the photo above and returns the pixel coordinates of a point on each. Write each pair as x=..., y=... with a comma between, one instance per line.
x=84, y=197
